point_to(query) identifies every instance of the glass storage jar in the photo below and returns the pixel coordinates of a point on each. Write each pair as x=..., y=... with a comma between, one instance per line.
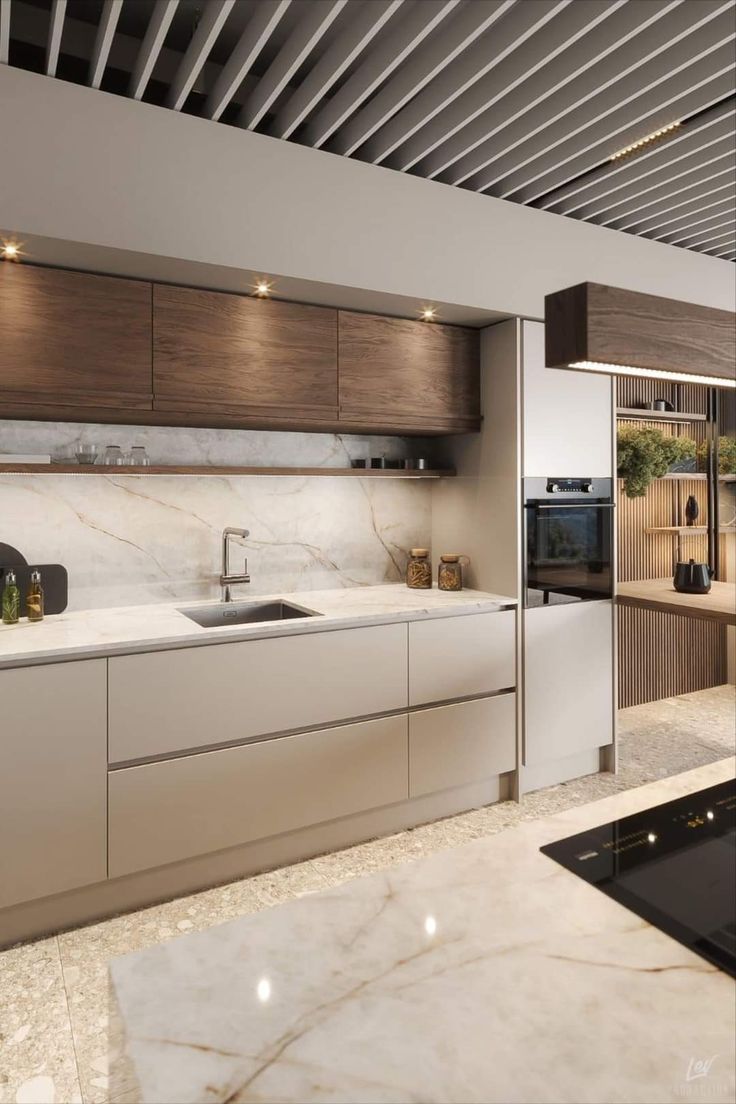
x=450, y=571
x=419, y=570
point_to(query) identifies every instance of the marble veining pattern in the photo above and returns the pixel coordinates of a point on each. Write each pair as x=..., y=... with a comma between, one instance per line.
x=51, y=1059
x=485, y=973
x=87, y=633
x=128, y=540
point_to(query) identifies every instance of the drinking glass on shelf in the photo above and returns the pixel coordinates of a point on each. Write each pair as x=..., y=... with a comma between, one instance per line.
x=113, y=456
x=139, y=456
x=86, y=453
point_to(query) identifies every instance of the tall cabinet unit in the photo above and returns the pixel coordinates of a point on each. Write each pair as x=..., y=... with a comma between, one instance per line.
x=538, y=423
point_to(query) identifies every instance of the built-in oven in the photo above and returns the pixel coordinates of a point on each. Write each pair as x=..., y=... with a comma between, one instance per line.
x=568, y=539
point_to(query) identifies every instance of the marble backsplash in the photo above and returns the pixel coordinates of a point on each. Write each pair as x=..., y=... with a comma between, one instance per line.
x=128, y=540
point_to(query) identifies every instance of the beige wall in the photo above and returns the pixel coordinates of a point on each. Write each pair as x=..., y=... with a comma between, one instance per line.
x=86, y=166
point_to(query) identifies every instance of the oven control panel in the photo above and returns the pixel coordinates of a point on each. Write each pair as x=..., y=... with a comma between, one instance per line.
x=569, y=486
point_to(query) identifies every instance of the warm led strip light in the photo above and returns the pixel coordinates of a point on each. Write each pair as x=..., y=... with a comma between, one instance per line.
x=652, y=373
x=647, y=140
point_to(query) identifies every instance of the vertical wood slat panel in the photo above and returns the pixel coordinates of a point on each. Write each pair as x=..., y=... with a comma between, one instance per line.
x=662, y=655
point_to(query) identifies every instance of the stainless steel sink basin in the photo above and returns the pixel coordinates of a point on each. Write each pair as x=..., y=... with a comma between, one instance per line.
x=245, y=613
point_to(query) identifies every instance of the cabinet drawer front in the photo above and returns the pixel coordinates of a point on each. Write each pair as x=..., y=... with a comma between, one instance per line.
x=165, y=812
x=53, y=779
x=454, y=745
x=564, y=717
x=165, y=702
x=225, y=349
x=458, y=657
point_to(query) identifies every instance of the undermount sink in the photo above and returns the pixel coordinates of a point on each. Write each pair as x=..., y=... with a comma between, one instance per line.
x=245, y=613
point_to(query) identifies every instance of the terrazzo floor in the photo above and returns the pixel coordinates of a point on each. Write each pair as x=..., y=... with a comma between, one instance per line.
x=53, y=993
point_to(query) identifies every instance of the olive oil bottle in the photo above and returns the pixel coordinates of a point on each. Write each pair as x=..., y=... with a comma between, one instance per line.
x=34, y=598
x=11, y=600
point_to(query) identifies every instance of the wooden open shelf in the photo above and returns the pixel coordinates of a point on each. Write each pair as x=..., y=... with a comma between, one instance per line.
x=696, y=530
x=104, y=469
x=698, y=475
x=660, y=415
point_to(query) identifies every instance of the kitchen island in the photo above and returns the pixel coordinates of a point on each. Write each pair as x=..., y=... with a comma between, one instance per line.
x=719, y=604
x=485, y=973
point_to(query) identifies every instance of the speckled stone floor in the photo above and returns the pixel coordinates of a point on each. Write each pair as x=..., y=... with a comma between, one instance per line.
x=53, y=993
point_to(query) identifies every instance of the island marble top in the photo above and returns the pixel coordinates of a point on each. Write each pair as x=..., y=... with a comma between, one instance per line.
x=484, y=973
x=84, y=634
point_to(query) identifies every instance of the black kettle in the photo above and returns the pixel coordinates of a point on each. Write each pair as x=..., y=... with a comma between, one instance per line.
x=692, y=577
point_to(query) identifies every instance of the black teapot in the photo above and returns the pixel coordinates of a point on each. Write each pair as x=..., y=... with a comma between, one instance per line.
x=692, y=577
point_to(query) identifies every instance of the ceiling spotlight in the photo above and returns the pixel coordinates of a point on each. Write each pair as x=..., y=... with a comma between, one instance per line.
x=428, y=314
x=262, y=289
x=10, y=251
x=646, y=141
x=652, y=837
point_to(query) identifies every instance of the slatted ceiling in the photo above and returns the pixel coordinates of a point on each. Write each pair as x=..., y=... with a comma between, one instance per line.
x=524, y=99
x=563, y=27
x=598, y=93
x=660, y=159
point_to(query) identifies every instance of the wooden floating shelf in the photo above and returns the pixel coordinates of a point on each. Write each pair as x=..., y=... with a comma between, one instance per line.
x=112, y=470
x=695, y=530
x=660, y=415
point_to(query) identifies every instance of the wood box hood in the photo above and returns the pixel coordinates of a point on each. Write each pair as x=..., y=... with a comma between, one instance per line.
x=591, y=325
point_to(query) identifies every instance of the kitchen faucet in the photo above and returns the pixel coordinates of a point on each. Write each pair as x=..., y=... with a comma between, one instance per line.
x=226, y=579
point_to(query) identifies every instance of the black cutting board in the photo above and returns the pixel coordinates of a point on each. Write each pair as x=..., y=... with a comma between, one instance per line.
x=54, y=579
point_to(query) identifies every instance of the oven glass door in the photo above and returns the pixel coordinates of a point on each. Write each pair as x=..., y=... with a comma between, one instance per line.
x=569, y=551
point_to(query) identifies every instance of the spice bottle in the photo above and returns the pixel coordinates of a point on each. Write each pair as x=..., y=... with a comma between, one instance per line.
x=34, y=598
x=419, y=570
x=11, y=600
x=450, y=571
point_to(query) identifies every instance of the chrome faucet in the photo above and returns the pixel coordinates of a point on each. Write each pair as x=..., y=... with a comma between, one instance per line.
x=226, y=579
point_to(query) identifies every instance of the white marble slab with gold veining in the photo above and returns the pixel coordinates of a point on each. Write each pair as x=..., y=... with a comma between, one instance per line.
x=82, y=634
x=485, y=973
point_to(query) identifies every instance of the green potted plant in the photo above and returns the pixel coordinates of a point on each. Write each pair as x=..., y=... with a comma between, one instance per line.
x=645, y=454
x=726, y=455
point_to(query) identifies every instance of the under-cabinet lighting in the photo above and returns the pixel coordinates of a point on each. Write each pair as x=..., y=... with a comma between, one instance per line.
x=264, y=990
x=262, y=289
x=652, y=373
x=646, y=141
x=10, y=251
x=429, y=314
x=430, y=925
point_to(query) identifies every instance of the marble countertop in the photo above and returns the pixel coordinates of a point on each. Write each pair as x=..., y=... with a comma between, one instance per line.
x=485, y=973
x=103, y=632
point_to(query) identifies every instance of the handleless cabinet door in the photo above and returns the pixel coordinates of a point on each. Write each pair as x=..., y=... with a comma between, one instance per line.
x=568, y=680
x=454, y=745
x=73, y=339
x=53, y=779
x=166, y=702
x=173, y=810
x=567, y=416
x=234, y=355
x=461, y=657
x=395, y=371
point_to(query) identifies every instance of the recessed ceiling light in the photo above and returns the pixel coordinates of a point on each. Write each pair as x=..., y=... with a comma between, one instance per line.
x=651, y=373
x=429, y=314
x=646, y=141
x=10, y=251
x=262, y=288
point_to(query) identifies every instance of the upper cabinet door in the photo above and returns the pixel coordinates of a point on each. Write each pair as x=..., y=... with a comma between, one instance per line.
x=71, y=339
x=400, y=374
x=239, y=358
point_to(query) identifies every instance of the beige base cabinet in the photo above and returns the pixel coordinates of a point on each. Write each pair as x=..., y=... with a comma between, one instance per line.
x=454, y=745
x=461, y=657
x=174, y=701
x=173, y=810
x=53, y=779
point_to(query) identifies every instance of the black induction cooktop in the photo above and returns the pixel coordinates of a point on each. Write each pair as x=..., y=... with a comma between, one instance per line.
x=674, y=865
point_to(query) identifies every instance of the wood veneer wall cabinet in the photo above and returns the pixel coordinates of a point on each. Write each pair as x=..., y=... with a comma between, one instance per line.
x=72, y=341
x=233, y=357
x=398, y=374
